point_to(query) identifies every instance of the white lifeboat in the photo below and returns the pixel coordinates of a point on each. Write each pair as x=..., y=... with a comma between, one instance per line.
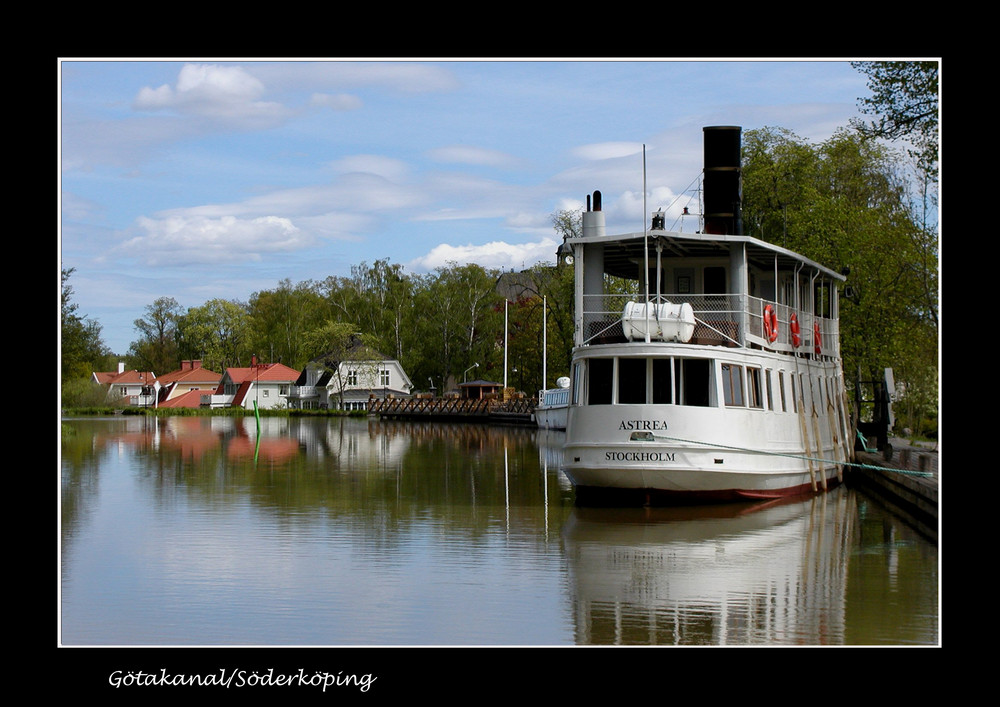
x=665, y=321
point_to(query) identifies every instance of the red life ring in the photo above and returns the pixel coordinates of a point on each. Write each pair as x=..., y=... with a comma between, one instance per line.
x=770, y=324
x=817, y=338
x=793, y=326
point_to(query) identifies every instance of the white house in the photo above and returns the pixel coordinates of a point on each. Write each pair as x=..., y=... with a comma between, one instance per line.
x=266, y=384
x=137, y=388
x=346, y=380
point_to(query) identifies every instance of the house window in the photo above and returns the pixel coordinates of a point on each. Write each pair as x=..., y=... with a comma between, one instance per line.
x=384, y=377
x=352, y=377
x=266, y=392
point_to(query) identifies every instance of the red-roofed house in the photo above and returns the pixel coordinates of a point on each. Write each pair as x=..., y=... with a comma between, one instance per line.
x=267, y=384
x=190, y=399
x=178, y=388
x=137, y=388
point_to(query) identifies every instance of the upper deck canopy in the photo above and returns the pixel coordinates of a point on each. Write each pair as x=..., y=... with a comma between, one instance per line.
x=622, y=253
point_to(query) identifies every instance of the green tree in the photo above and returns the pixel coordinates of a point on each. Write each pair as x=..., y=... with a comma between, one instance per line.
x=548, y=292
x=216, y=333
x=157, y=348
x=333, y=343
x=279, y=319
x=568, y=223
x=382, y=298
x=457, y=315
x=845, y=203
x=81, y=347
x=904, y=103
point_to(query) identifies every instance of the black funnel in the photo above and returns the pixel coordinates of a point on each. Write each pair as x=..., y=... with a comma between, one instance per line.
x=723, y=180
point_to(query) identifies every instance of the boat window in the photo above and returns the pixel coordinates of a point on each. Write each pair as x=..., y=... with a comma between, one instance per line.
x=600, y=373
x=767, y=381
x=694, y=381
x=781, y=390
x=788, y=293
x=577, y=380
x=715, y=280
x=822, y=299
x=662, y=384
x=795, y=398
x=732, y=384
x=766, y=290
x=632, y=381
x=756, y=395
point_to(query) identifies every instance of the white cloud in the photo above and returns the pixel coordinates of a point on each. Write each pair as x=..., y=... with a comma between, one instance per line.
x=337, y=102
x=468, y=154
x=410, y=77
x=380, y=165
x=223, y=93
x=179, y=240
x=607, y=150
x=497, y=254
x=73, y=207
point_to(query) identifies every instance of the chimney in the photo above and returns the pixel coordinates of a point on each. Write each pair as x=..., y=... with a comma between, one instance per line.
x=723, y=180
x=196, y=364
x=121, y=367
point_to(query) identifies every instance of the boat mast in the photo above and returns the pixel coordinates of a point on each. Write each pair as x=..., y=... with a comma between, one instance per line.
x=545, y=345
x=645, y=240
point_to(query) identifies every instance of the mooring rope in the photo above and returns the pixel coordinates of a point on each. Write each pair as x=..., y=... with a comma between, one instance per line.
x=799, y=456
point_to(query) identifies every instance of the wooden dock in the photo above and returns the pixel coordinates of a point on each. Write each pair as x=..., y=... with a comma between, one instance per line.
x=909, y=479
x=517, y=411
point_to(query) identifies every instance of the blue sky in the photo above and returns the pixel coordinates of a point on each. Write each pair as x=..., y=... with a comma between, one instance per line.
x=203, y=179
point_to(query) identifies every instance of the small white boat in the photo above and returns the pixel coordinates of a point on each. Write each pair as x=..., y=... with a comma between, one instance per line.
x=714, y=374
x=553, y=405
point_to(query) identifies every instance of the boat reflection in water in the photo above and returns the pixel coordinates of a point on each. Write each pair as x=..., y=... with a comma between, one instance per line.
x=749, y=574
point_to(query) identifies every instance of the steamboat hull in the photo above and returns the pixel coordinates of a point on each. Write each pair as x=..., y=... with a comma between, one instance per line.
x=708, y=453
x=647, y=485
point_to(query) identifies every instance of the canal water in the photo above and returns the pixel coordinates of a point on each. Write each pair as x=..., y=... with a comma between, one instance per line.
x=207, y=531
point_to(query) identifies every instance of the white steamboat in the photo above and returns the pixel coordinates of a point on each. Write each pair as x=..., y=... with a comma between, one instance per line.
x=706, y=366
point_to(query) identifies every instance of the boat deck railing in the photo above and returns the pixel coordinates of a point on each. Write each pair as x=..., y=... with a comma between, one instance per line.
x=723, y=320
